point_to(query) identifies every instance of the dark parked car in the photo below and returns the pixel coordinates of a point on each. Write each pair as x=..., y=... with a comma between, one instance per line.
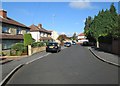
x=88, y=43
x=67, y=44
x=53, y=47
x=85, y=43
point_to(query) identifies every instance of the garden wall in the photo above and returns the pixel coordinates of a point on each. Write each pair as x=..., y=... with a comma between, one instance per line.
x=38, y=49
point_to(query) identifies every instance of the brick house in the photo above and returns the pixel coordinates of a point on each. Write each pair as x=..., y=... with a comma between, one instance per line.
x=39, y=33
x=11, y=31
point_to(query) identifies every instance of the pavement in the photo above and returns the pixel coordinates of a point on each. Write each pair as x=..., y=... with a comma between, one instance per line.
x=105, y=56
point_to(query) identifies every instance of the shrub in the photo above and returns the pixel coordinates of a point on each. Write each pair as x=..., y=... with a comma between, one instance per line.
x=37, y=44
x=28, y=40
x=18, y=49
x=105, y=39
x=46, y=42
x=34, y=44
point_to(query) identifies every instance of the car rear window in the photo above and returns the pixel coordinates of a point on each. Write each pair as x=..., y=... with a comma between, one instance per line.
x=67, y=43
x=52, y=44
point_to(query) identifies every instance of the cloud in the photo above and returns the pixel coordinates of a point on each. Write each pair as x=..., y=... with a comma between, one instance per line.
x=84, y=20
x=81, y=5
x=62, y=33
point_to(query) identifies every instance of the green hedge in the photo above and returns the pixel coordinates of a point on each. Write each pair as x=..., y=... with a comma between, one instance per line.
x=105, y=39
x=37, y=44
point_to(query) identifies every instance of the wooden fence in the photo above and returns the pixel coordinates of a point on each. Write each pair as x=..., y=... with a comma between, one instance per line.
x=112, y=48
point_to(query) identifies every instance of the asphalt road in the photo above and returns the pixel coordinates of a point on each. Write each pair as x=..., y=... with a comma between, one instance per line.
x=73, y=65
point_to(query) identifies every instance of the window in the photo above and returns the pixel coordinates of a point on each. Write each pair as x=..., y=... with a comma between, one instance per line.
x=6, y=44
x=5, y=30
x=27, y=31
x=19, y=31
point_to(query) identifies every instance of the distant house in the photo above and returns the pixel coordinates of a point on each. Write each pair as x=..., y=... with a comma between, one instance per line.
x=39, y=33
x=12, y=31
x=81, y=38
x=54, y=36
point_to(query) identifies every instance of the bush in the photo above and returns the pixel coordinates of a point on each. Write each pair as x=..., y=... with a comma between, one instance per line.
x=105, y=39
x=28, y=40
x=37, y=44
x=18, y=49
x=46, y=42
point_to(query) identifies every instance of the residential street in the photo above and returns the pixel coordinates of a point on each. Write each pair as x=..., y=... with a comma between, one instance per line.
x=73, y=65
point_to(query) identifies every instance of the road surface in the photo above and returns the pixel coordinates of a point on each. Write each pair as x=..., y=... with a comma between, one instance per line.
x=73, y=65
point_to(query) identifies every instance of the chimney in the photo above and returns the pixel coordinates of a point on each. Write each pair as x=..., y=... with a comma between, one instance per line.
x=40, y=26
x=3, y=13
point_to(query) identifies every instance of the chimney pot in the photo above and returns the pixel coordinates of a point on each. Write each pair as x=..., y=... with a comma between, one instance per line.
x=3, y=13
x=39, y=25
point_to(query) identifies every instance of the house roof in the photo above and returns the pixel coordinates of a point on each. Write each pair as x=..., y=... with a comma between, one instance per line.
x=34, y=28
x=12, y=22
x=81, y=34
x=10, y=36
x=45, y=38
x=81, y=38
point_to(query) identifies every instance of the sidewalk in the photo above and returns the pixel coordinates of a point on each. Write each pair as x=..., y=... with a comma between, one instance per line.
x=106, y=57
x=6, y=59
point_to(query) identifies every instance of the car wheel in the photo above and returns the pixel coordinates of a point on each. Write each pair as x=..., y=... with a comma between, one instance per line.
x=57, y=51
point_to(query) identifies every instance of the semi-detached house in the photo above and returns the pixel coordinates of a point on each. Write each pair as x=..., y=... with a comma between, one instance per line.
x=11, y=31
x=40, y=34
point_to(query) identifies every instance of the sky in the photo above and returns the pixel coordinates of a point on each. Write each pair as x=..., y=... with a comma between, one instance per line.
x=63, y=17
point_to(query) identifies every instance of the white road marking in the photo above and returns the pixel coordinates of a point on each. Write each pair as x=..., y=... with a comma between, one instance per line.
x=2, y=82
x=38, y=58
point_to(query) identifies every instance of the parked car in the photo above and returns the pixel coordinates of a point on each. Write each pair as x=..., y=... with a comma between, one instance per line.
x=53, y=47
x=73, y=43
x=67, y=44
x=85, y=43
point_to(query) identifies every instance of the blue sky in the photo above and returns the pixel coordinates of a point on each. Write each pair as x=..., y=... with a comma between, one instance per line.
x=63, y=17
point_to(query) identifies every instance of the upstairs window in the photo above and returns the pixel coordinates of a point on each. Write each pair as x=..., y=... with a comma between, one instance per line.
x=19, y=31
x=5, y=30
x=27, y=30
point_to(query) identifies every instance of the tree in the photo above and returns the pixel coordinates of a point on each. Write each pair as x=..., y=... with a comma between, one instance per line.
x=112, y=8
x=116, y=31
x=88, y=22
x=61, y=38
x=28, y=40
x=115, y=22
x=74, y=37
x=87, y=30
x=104, y=25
